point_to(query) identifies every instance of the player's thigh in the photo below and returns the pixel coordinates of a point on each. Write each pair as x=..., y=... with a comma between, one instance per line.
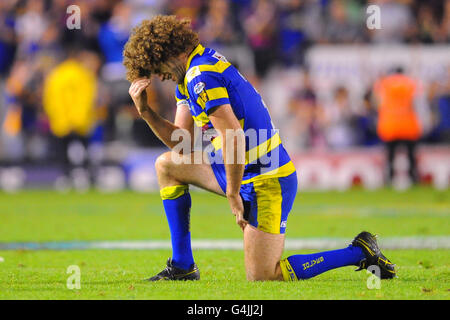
x=270, y=202
x=263, y=252
x=192, y=169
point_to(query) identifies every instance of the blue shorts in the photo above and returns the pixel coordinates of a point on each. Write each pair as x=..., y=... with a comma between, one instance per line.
x=267, y=202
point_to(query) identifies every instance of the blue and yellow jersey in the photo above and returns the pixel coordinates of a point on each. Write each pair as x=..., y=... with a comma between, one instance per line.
x=211, y=81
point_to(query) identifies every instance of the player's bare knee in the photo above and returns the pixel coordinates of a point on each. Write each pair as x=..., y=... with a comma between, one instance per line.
x=263, y=274
x=163, y=164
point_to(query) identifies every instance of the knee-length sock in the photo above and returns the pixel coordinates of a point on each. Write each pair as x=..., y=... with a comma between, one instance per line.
x=177, y=205
x=305, y=266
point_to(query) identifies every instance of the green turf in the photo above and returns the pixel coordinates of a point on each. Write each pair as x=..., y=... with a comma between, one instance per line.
x=116, y=274
x=423, y=274
x=47, y=216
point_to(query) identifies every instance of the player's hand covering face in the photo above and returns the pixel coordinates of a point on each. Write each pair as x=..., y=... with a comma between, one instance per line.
x=138, y=94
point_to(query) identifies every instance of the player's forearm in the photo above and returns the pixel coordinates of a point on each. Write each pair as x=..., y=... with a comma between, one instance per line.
x=161, y=127
x=234, y=160
x=234, y=174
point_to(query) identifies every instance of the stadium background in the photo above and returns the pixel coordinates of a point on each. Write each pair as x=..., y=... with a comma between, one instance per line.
x=314, y=62
x=316, y=65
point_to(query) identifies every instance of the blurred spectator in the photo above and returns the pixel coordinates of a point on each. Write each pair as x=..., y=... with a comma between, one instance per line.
x=444, y=30
x=221, y=29
x=305, y=119
x=366, y=122
x=340, y=27
x=219, y=26
x=23, y=121
x=439, y=99
x=112, y=37
x=190, y=9
x=255, y=35
x=69, y=100
x=145, y=9
x=313, y=20
x=30, y=27
x=340, y=121
x=291, y=35
x=398, y=124
x=260, y=28
x=7, y=37
x=427, y=27
x=92, y=15
x=8, y=43
x=396, y=22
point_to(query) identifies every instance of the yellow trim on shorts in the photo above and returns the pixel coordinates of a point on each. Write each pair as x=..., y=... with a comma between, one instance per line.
x=173, y=192
x=268, y=200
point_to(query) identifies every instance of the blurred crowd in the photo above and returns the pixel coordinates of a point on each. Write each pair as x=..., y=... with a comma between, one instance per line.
x=89, y=102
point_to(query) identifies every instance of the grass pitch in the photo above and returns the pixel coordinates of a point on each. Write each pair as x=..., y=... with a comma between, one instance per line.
x=42, y=216
x=109, y=274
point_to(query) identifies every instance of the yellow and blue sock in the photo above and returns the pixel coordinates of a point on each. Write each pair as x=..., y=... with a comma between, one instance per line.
x=177, y=205
x=305, y=266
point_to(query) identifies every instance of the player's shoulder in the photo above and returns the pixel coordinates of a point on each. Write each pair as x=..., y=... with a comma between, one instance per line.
x=210, y=63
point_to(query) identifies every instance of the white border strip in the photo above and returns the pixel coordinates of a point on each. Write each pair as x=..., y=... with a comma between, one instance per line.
x=431, y=242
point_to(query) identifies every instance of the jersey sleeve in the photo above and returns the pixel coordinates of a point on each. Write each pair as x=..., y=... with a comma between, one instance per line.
x=180, y=97
x=208, y=90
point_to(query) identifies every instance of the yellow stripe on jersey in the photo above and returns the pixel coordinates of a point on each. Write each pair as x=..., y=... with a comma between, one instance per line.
x=241, y=121
x=282, y=171
x=183, y=92
x=213, y=94
x=217, y=141
x=256, y=152
x=173, y=192
x=201, y=119
x=268, y=199
x=220, y=66
x=198, y=50
x=217, y=93
x=182, y=89
x=263, y=148
x=201, y=103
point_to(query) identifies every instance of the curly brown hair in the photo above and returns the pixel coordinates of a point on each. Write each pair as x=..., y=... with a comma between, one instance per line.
x=154, y=42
